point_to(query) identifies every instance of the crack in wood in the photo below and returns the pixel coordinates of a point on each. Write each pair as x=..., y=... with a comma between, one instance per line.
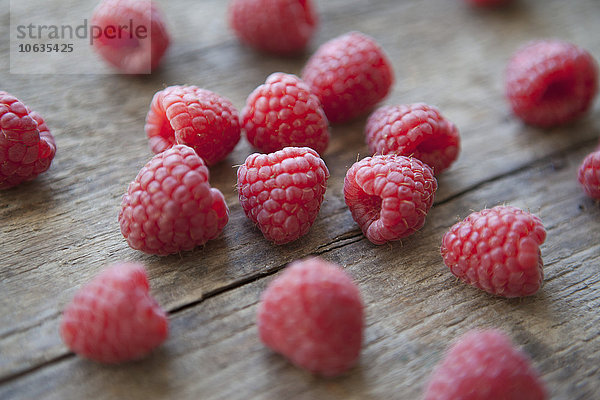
x=51, y=361
x=520, y=169
x=37, y=323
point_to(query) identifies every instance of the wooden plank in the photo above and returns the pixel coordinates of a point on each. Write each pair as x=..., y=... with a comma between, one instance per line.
x=58, y=231
x=415, y=307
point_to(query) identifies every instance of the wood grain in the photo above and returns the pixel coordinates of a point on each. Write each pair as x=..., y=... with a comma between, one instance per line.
x=61, y=229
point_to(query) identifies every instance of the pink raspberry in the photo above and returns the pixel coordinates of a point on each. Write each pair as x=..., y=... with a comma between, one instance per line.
x=274, y=26
x=133, y=36
x=350, y=74
x=417, y=130
x=284, y=113
x=485, y=365
x=282, y=192
x=497, y=250
x=389, y=196
x=27, y=147
x=313, y=315
x=550, y=82
x=196, y=117
x=589, y=175
x=113, y=318
x=170, y=206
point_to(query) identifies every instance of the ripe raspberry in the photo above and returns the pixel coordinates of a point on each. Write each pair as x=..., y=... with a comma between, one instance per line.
x=26, y=145
x=550, y=82
x=589, y=175
x=389, y=196
x=350, y=74
x=170, y=206
x=284, y=113
x=274, y=26
x=497, y=250
x=313, y=315
x=132, y=35
x=196, y=117
x=282, y=192
x=113, y=318
x=417, y=130
x=485, y=365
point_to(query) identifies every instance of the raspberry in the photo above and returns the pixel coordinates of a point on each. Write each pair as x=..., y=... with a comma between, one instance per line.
x=26, y=145
x=389, y=196
x=132, y=34
x=274, y=26
x=113, y=318
x=170, y=206
x=283, y=113
x=497, y=250
x=282, y=192
x=589, y=174
x=350, y=74
x=417, y=130
x=550, y=82
x=196, y=117
x=313, y=315
x=485, y=365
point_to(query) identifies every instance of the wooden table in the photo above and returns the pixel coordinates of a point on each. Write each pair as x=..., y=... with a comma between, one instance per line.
x=61, y=229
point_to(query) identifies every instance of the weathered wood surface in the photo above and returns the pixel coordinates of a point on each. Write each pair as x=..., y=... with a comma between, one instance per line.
x=61, y=229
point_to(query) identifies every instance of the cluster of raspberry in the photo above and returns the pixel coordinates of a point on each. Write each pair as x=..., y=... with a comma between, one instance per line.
x=170, y=206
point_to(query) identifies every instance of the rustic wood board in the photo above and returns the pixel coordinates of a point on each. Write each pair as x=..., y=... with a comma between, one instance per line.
x=61, y=229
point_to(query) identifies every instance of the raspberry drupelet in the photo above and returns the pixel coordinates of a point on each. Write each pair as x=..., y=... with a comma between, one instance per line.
x=137, y=52
x=350, y=74
x=170, y=206
x=551, y=82
x=27, y=147
x=416, y=130
x=485, y=365
x=497, y=250
x=198, y=118
x=313, y=315
x=282, y=192
x=113, y=318
x=284, y=113
x=389, y=196
x=282, y=27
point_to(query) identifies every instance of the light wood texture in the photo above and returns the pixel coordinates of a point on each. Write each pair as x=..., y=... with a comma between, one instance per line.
x=58, y=231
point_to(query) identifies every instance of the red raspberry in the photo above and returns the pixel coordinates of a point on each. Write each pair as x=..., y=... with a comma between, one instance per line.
x=274, y=26
x=132, y=35
x=389, y=196
x=550, y=82
x=417, y=130
x=497, y=250
x=589, y=175
x=282, y=192
x=283, y=113
x=350, y=74
x=196, y=117
x=485, y=365
x=26, y=145
x=113, y=318
x=313, y=315
x=170, y=206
